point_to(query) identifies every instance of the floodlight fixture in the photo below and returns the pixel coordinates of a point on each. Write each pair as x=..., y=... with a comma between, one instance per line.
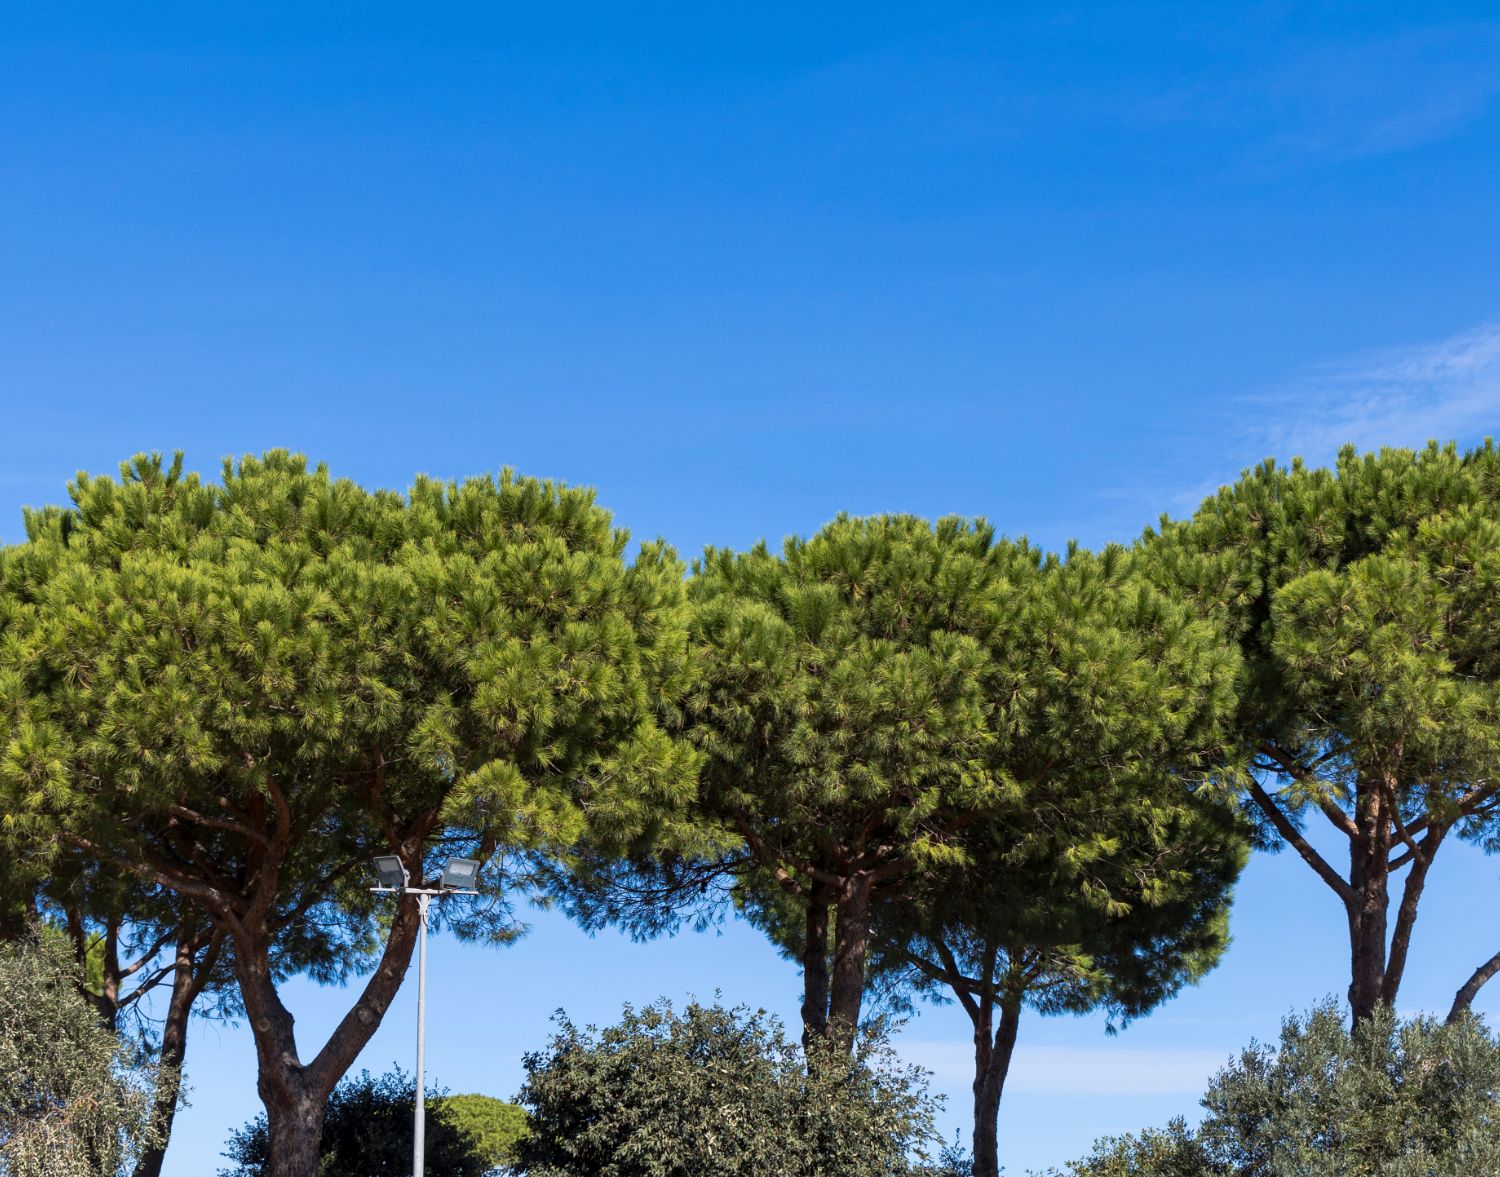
x=460, y=874
x=391, y=873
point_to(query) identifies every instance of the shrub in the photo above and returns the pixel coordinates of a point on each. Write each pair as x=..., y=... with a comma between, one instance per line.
x=75, y=1100
x=492, y=1125
x=1393, y=1099
x=714, y=1091
x=367, y=1132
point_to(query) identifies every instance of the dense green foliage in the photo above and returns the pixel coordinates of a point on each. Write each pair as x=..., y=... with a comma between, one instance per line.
x=842, y=713
x=1110, y=897
x=1392, y=1099
x=879, y=692
x=918, y=755
x=75, y=1100
x=981, y=759
x=242, y=692
x=1365, y=601
x=714, y=1091
x=367, y=1132
x=492, y=1125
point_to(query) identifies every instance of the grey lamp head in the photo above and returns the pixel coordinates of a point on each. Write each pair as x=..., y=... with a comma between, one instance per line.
x=391, y=873
x=461, y=874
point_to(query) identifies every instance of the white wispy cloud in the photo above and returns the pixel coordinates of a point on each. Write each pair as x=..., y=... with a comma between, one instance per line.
x=1403, y=397
x=1446, y=390
x=1079, y=1070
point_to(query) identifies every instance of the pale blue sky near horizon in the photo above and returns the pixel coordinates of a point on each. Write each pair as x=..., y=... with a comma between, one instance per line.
x=742, y=268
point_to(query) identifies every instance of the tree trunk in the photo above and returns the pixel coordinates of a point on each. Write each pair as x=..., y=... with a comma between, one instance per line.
x=851, y=938
x=1367, y=954
x=295, y=1124
x=815, y=965
x=991, y=1065
x=1464, y=998
x=188, y=979
x=295, y=1094
x=1369, y=875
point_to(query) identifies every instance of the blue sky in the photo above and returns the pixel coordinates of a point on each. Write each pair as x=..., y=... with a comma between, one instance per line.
x=743, y=267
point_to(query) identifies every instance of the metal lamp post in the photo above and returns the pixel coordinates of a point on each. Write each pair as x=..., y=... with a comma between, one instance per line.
x=458, y=878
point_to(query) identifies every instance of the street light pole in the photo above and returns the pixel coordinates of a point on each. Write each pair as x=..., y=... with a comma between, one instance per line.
x=419, y=1129
x=457, y=879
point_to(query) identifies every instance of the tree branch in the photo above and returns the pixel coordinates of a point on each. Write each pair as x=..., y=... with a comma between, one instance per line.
x=1288, y=831
x=964, y=994
x=147, y=956
x=1464, y=998
x=1288, y=764
x=219, y=823
x=155, y=871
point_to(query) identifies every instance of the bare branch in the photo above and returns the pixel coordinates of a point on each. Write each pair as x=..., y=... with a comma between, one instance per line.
x=219, y=823
x=1464, y=998
x=1293, y=836
x=965, y=996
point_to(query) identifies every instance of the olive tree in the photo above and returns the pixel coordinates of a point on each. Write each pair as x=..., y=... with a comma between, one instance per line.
x=367, y=1132
x=242, y=691
x=1392, y=1098
x=76, y=1099
x=711, y=1091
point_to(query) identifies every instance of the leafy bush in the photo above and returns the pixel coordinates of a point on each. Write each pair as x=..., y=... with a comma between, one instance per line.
x=75, y=1100
x=368, y=1132
x=1394, y=1099
x=716, y=1091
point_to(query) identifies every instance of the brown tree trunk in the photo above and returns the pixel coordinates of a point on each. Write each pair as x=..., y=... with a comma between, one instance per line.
x=188, y=979
x=992, y=1057
x=1406, y=915
x=1481, y=976
x=295, y=1124
x=1367, y=953
x=1369, y=875
x=295, y=1094
x=851, y=938
x=106, y=1002
x=815, y=965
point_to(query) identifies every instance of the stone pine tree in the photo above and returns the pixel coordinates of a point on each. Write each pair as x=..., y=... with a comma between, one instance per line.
x=1366, y=602
x=1101, y=876
x=873, y=692
x=241, y=692
x=840, y=708
x=1110, y=893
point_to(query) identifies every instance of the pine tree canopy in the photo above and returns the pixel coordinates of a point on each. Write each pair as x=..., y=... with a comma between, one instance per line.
x=1366, y=603
x=243, y=691
x=877, y=694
